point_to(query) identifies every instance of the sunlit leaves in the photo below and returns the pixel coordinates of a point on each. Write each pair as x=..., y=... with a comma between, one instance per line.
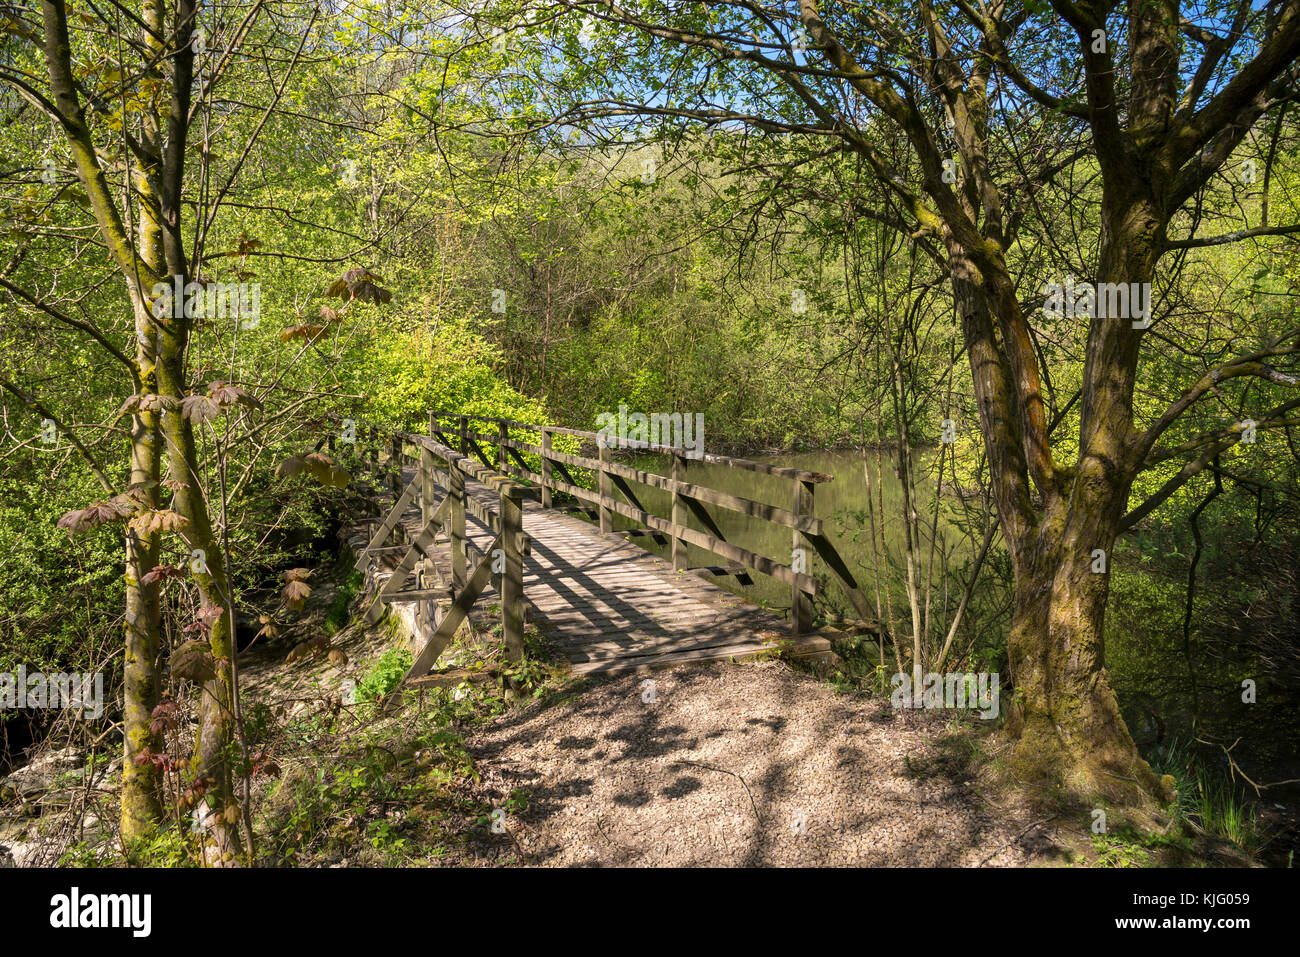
x=296, y=589
x=269, y=628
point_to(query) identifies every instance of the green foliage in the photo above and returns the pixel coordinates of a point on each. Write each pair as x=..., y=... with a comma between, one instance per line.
x=398, y=783
x=59, y=599
x=167, y=846
x=384, y=675
x=337, y=615
x=405, y=375
x=1118, y=850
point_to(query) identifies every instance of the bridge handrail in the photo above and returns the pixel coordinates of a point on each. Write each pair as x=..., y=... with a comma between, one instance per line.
x=471, y=567
x=806, y=529
x=749, y=465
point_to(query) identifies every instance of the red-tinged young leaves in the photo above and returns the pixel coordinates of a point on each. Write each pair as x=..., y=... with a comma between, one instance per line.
x=293, y=465
x=306, y=330
x=295, y=593
x=225, y=394
x=162, y=573
x=96, y=514
x=164, y=717
x=159, y=520
x=296, y=589
x=147, y=402
x=199, y=409
x=209, y=614
x=359, y=283
x=268, y=629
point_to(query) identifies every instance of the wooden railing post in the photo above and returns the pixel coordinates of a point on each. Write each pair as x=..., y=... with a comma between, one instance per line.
x=427, y=507
x=395, y=466
x=679, y=510
x=606, y=492
x=503, y=435
x=512, y=578
x=800, y=606
x=456, y=523
x=427, y=503
x=463, y=423
x=548, y=468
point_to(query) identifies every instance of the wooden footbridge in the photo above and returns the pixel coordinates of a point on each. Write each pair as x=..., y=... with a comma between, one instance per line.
x=479, y=502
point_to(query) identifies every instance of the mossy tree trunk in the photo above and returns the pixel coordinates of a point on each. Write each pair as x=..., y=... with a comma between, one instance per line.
x=214, y=746
x=141, y=807
x=156, y=256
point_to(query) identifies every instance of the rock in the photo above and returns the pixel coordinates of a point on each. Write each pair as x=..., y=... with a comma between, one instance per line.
x=41, y=774
x=19, y=854
x=59, y=799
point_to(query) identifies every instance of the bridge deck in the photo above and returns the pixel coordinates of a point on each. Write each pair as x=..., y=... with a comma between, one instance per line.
x=609, y=605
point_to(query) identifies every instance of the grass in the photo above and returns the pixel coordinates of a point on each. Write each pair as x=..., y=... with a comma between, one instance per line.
x=1208, y=799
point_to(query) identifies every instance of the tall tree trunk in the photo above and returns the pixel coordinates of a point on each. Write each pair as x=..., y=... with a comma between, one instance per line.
x=215, y=743
x=140, y=807
x=140, y=797
x=1065, y=719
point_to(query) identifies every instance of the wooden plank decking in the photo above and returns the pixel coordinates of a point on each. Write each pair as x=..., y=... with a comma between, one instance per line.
x=609, y=605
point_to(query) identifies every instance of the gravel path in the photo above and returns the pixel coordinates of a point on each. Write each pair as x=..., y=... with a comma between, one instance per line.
x=742, y=765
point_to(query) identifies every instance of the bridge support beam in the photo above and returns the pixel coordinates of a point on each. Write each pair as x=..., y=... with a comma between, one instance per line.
x=425, y=570
x=680, y=558
x=456, y=525
x=548, y=469
x=801, y=604
x=512, y=577
x=606, y=492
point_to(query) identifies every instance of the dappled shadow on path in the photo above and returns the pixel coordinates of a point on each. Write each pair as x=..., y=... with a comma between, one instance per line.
x=744, y=765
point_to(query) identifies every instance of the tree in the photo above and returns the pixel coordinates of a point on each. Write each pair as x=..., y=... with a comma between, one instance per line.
x=123, y=93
